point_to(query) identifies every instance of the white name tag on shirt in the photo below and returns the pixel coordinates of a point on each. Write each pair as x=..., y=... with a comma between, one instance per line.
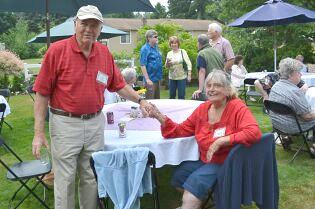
x=102, y=78
x=219, y=132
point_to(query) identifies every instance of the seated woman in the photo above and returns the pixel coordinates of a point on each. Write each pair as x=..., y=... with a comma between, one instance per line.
x=285, y=91
x=238, y=72
x=130, y=76
x=218, y=124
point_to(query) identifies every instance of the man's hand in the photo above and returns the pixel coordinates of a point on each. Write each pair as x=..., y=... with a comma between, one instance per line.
x=196, y=94
x=38, y=141
x=149, y=82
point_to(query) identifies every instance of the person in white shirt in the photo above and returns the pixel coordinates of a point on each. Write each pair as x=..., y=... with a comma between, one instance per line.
x=238, y=71
x=130, y=76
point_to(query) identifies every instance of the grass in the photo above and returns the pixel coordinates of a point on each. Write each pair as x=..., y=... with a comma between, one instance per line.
x=297, y=180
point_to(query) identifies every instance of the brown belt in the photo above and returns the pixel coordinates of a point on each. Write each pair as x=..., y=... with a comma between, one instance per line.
x=69, y=114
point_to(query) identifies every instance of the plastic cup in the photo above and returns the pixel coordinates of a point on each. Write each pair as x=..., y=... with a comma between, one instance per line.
x=45, y=156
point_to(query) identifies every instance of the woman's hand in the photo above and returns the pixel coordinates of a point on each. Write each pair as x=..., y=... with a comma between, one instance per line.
x=189, y=77
x=216, y=145
x=145, y=108
x=155, y=113
x=168, y=62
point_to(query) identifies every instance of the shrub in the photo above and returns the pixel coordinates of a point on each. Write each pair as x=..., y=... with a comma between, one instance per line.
x=121, y=57
x=17, y=84
x=10, y=63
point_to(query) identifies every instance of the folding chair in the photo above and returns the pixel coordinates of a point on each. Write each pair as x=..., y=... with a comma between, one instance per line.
x=6, y=94
x=249, y=174
x=2, y=110
x=103, y=203
x=283, y=109
x=24, y=171
x=30, y=91
x=250, y=92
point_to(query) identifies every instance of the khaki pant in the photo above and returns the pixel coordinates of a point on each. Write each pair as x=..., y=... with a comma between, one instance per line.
x=153, y=92
x=72, y=142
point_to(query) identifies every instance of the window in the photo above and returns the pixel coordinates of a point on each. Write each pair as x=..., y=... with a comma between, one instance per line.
x=126, y=39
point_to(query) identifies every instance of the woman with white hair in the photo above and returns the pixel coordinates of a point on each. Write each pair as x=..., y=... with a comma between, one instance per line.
x=285, y=91
x=218, y=124
x=130, y=76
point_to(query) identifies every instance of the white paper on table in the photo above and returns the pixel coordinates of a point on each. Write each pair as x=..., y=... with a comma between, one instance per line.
x=126, y=118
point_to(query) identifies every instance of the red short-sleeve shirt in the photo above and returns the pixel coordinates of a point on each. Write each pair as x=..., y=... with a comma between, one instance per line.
x=69, y=78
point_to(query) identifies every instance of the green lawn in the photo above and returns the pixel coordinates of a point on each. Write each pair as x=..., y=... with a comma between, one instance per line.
x=297, y=181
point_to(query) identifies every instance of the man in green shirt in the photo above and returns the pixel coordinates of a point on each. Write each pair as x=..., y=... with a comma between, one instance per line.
x=208, y=59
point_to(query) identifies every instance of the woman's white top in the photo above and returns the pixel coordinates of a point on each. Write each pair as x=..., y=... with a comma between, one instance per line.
x=238, y=75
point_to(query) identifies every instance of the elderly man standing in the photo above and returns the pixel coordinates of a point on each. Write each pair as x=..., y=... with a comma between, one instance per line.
x=151, y=65
x=222, y=45
x=73, y=77
x=208, y=59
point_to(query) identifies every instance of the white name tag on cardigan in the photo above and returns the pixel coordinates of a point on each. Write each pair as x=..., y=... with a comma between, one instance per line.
x=102, y=77
x=219, y=132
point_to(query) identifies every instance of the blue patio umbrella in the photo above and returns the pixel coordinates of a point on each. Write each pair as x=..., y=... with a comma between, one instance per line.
x=70, y=7
x=273, y=13
x=66, y=29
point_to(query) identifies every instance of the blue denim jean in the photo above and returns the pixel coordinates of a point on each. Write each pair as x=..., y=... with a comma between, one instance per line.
x=177, y=84
x=196, y=177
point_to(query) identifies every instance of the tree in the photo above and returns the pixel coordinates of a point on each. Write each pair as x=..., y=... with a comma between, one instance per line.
x=180, y=9
x=7, y=21
x=15, y=40
x=199, y=6
x=121, y=15
x=256, y=44
x=160, y=12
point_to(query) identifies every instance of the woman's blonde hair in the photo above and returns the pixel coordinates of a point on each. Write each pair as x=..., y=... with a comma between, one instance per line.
x=173, y=39
x=224, y=79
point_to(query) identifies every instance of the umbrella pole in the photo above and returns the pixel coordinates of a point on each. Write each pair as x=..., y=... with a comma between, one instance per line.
x=274, y=48
x=47, y=24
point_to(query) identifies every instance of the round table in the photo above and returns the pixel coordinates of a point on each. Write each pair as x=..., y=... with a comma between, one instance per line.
x=146, y=131
x=308, y=78
x=310, y=97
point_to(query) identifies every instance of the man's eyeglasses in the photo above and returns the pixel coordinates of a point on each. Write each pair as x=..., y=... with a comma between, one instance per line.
x=155, y=36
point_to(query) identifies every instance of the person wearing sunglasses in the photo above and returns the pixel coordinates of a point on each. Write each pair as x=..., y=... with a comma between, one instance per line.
x=151, y=65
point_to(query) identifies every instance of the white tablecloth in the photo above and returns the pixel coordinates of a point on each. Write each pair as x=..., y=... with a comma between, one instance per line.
x=310, y=96
x=308, y=78
x=257, y=75
x=7, y=109
x=146, y=132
